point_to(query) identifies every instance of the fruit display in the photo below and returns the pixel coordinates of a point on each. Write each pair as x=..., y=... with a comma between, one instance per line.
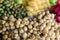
x=29, y=19
x=30, y=28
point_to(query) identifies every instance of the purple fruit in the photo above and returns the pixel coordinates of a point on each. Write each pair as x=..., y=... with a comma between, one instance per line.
x=52, y=9
x=57, y=19
x=58, y=2
x=57, y=11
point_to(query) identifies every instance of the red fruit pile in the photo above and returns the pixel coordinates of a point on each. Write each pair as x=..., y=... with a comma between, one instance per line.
x=56, y=10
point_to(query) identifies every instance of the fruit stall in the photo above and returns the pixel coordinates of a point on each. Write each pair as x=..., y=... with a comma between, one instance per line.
x=29, y=19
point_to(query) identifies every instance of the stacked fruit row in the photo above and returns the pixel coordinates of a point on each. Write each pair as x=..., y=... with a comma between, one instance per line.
x=24, y=8
x=29, y=20
x=41, y=27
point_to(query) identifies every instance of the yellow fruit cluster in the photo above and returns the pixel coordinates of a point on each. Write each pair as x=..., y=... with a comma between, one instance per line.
x=35, y=6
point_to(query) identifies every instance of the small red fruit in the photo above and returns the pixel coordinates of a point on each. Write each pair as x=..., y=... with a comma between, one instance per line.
x=57, y=19
x=57, y=11
x=58, y=2
x=52, y=9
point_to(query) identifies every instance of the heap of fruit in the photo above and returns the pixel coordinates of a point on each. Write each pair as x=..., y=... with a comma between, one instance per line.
x=35, y=6
x=24, y=8
x=12, y=7
x=55, y=8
